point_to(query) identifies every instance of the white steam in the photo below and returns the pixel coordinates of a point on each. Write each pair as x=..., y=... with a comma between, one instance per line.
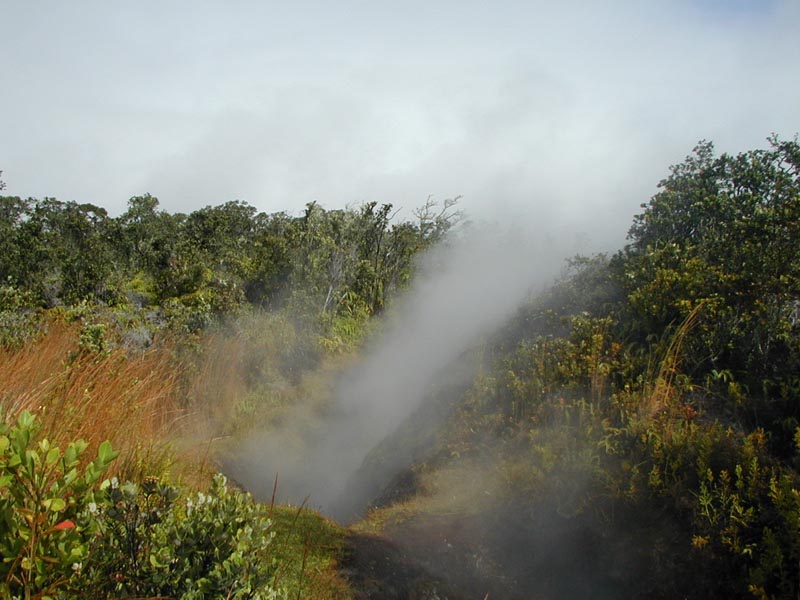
x=465, y=290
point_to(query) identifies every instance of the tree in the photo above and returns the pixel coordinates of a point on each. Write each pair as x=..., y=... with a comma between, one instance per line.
x=13, y=211
x=148, y=235
x=724, y=232
x=270, y=264
x=435, y=221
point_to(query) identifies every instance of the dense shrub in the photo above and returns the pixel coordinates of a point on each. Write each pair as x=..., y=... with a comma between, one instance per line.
x=64, y=534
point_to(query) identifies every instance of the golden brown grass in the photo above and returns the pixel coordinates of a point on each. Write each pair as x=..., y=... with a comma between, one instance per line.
x=662, y=392
x=244, y=380
x=170, y=409
x=218, y=386
x=129, y=399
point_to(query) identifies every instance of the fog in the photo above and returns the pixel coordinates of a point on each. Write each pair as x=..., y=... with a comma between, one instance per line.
x=477, y=531
x=573, y=109
x=465, y=289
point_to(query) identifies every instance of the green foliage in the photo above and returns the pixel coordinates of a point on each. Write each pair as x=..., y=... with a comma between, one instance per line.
x=664, y=382
x=92, y=338
x=723, y=233
x=611, y=464
x=19, y=318
x=656, y=386
x=586, y=363
x=343, y=331
x=348, y=260
x=65, y=535
x=58, y=251
x=331, y=269
x=42, y=491
x=189, y=314
x=212, y=545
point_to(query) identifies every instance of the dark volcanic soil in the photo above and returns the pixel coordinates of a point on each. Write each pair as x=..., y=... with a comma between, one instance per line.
x=381, y=570
x=501, y=556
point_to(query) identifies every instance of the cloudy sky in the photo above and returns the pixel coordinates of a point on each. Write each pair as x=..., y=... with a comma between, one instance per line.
x=565, y=112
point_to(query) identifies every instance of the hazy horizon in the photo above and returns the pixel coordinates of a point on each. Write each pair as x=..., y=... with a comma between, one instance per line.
x=568, y=114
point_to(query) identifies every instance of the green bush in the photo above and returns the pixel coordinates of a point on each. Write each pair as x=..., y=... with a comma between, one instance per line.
x=42, y=491
x=19, y=319
x=212, y=545
x=65, y=535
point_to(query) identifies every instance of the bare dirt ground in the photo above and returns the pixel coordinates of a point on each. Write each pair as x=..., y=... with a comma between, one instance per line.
x=458, y=557
x=379, y=569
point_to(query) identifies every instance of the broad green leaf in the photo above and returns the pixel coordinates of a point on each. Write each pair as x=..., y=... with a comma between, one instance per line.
x=52, y=456
x=106, y=453
x=92, y=474
x=55, y=504
x=71, y=454
x=31, y=460
x=25, y=420
x=70, y=477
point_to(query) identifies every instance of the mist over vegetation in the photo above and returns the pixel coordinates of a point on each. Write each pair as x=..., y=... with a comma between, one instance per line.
x=497, y=420
x=463, y=291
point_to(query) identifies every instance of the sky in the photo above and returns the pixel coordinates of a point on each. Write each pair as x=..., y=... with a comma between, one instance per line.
x=566, y=114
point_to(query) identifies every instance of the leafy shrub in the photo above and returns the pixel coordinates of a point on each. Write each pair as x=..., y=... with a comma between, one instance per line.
x=63, y=536
x=42, y=491
x=92, y=338
x=212, y=545
x=18, y=318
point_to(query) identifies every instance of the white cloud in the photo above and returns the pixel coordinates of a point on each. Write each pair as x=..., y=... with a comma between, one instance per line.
x=572, y=111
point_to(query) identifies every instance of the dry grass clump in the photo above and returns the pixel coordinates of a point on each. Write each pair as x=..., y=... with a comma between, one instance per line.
x=264, y=372
x=218, y=386
x=129, y=399
x=169, y=409
x=662, y=393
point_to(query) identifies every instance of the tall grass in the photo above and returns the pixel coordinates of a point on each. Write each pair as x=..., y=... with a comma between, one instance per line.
x=174, y=407
x=218, y=388
x=129, y=399
x=261, y=372
x=660, y=391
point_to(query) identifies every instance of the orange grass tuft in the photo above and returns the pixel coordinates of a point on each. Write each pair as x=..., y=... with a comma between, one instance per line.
x=219, y=385
x=128, y=399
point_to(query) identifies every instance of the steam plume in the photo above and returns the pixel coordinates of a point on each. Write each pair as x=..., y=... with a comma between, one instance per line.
x=465, y=290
